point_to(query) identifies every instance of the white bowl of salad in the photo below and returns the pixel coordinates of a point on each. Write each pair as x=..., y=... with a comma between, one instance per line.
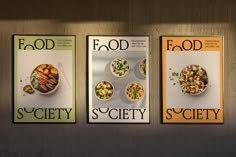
x=104, y=90
x=119, y=67
x=134, y=91
x=193, y=80
x=142, y=67
x=45, y=79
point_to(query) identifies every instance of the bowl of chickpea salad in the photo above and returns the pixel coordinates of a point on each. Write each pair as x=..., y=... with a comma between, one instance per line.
x=104, y=90
x=193, y=80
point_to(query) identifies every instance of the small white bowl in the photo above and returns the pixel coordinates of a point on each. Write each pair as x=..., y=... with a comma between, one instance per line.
x=50, y=91
x=112, y=67
x=183, y=87
x=135, y=83
x=140, y=69
x=109, y=84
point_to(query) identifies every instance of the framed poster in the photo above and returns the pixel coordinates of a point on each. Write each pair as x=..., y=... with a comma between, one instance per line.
x=192, y=79
x=44, y=78
x=118, y=79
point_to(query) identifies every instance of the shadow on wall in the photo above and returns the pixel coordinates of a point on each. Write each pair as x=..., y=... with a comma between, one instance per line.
x=138, y=11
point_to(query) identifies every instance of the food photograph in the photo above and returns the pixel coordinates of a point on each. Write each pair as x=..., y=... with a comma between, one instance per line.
x=45, y=80
x=119, y=79
x=104, y=90
x=192, y=79
x=119, y=67
x=134, y=91
x=142, y=67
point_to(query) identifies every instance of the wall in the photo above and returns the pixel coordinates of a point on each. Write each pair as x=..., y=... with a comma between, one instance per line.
x=121, y=17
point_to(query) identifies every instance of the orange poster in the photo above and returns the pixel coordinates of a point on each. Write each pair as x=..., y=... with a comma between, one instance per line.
x=192, y=79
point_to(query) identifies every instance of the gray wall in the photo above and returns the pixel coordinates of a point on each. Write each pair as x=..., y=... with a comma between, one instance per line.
x=118, y=17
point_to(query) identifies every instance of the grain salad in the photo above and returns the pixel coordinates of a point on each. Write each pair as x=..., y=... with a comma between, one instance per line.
x=193, y=79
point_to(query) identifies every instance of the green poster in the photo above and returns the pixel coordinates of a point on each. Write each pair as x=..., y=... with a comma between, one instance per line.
x=44, y=79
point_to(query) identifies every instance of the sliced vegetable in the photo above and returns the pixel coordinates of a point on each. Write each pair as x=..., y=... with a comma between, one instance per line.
x=28, y=89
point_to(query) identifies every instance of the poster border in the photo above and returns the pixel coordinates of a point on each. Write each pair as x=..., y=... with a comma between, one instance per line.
x=13, y=78
x=161, y=81
x=87, y=78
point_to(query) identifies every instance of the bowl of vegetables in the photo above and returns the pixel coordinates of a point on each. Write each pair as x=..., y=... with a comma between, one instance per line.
x=45, y=79
x=104, y=90
x=193, y=79
x=119, y=67
x=134, y=91
x=142, y=67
